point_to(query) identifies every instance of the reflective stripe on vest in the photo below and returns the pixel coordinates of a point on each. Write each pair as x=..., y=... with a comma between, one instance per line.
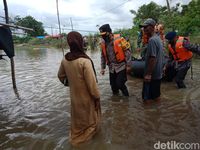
x=180, y=53
x=119, y=53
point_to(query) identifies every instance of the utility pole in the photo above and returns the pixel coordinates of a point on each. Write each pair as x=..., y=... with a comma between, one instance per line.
x=170, y=16
x=71, y=23
x=59, y=27
x=51, y=30
x=11, y=59
x=168, y=6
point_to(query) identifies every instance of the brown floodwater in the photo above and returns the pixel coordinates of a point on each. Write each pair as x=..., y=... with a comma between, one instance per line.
x=38, y=117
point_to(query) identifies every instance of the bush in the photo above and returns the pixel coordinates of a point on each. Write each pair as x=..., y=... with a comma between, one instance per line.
x=50, y=42
x=21, y=40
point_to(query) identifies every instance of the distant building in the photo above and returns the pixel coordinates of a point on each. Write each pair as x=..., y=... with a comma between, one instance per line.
x=49, y=36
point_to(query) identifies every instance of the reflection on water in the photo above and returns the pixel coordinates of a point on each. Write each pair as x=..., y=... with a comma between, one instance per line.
x=40, y=119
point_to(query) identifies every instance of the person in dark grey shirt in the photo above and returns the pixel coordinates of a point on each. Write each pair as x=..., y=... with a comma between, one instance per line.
x=153, y=64
x=154, y=49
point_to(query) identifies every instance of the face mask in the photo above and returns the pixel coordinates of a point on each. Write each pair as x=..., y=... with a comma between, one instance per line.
x=106, y=38
x=171, y=42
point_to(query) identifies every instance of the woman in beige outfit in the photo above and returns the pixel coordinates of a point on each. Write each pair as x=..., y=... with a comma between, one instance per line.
x=77, y=70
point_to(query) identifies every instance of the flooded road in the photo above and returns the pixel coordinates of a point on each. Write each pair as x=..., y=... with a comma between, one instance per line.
x=38, y=118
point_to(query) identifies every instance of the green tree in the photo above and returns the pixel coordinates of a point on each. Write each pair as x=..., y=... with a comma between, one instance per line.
x=30, y=22
x=190, y=22
x=151, y=10
x=170, y=17
x=184, y=19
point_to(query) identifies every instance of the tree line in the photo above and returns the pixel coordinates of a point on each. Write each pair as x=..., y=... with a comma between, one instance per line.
x=181, y=18
x=185, y=19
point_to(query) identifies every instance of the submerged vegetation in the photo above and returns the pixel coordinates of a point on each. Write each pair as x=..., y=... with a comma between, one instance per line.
x=46, y=42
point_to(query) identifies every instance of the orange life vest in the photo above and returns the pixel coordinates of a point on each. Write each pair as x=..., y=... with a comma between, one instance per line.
x=180, y=53
x=160, y=29
x=145, y=38
x=119, y=51
x=162, y=36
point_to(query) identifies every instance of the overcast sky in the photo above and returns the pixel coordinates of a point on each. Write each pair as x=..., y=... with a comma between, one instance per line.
x=85, y=14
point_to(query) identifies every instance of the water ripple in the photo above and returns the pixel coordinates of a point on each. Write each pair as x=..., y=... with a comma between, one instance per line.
x=40, y=118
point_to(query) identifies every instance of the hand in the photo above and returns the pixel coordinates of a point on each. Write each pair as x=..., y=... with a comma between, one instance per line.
x=147, y=78
x=164, y=70
x=128, y=69
x=138, y=49
x=102, y=71
x=97, y=104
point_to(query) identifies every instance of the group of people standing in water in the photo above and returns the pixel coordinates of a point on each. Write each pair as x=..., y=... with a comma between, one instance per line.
x=77, y=71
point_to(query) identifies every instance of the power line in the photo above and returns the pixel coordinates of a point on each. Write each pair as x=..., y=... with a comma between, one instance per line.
x=70, y=29
x=109, y=10
x=89, y=18
x=93, y=18
x=2, y=17
x=117, y=6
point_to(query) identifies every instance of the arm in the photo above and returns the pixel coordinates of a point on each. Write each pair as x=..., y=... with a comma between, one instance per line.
x=61, y=75
x=195, y=48
x=103, y=63
x=127, y=52
x=90, y=80
x=150, y=68
x=128, y=57
x=139, y=39
x=128, y=60
x=152, y=54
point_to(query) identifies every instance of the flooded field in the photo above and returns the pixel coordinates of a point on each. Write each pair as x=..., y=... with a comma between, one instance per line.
x=38, y=117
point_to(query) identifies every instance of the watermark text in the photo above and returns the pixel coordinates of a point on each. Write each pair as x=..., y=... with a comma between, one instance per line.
x=174, y=145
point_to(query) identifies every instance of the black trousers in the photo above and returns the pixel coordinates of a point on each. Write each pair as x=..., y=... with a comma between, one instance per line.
x=117, y=82
x=180, y=76
x=170, y=73
x=151, y=90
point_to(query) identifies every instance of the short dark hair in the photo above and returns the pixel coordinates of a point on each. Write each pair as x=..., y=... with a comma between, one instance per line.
x=170, y=35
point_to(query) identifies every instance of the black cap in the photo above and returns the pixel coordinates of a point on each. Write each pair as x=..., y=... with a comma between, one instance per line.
x=105, y=28
x=170, y=35
x=148, y=22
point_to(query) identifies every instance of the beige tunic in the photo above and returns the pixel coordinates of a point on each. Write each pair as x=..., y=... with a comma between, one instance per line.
x=85, y=119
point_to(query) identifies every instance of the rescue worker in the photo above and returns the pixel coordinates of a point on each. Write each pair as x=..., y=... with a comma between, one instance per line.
x=180, y=53
x=116, y=54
